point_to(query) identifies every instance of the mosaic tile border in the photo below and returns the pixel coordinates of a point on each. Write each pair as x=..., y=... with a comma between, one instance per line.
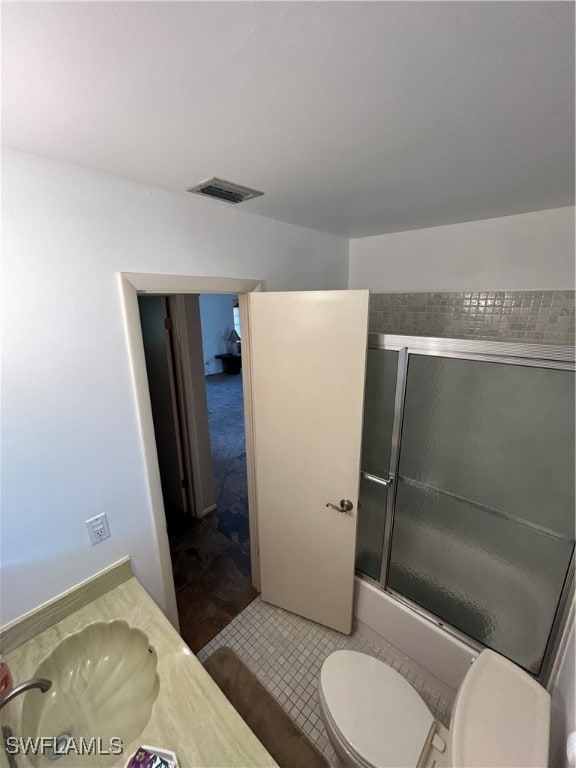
x=534, y=317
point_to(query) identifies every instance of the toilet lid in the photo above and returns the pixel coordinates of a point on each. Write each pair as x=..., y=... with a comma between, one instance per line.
x=375, y=710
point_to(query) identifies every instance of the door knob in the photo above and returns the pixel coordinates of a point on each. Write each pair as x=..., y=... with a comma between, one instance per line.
x=345, y=506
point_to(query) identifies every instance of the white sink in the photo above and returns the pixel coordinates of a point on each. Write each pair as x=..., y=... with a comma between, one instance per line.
x=104, y=684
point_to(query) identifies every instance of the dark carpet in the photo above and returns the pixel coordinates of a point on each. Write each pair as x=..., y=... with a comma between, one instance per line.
x=228, y=441
x=287, y=744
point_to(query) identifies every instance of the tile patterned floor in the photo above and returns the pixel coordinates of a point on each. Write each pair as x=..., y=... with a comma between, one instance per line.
x=286, y=653
x=212, y=580
x=211, y=556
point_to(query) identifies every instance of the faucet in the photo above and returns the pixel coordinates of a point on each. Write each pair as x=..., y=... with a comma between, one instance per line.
x=35, y=682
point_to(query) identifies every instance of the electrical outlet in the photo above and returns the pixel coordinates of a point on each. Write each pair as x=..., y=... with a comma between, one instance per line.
x=98, y=528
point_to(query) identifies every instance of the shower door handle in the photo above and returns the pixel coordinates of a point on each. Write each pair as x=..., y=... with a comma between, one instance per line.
x=374, y=479
x=345, y=506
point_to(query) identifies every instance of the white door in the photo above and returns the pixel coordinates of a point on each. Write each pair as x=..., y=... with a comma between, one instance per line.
x=308, y=355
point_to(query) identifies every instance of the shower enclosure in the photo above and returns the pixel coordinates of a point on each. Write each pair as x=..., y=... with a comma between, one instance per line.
x=467, y=487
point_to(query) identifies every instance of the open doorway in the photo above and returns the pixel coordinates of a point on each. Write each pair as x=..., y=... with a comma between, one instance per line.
x=222, y=347
x=193, y=360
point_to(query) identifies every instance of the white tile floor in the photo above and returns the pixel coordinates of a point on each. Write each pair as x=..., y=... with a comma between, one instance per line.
x=286, y=652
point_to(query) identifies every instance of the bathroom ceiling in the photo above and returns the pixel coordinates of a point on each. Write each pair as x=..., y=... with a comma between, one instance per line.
x=354, y=118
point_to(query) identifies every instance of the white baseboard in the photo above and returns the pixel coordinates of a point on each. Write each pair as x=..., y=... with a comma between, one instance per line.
x=207, y=511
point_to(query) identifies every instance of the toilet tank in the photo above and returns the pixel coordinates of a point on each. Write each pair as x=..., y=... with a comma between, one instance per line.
x=501, y=717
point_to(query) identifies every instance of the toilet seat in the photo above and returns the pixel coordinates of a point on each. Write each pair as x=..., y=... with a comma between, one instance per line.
x=373, y=711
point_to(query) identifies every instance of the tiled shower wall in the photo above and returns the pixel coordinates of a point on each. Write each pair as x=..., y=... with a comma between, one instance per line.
x=535, y=317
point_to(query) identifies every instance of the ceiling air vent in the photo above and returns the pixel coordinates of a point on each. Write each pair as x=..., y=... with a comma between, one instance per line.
x=224, y=190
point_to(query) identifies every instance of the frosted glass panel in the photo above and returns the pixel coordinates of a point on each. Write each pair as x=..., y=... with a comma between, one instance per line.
x=499, y=435
x=492, y=578
x=484, y=515
x=370, y=532
x=379, y=394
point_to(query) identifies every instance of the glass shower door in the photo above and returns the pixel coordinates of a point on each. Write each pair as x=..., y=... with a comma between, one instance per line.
x=379, y=406
x=483, y=525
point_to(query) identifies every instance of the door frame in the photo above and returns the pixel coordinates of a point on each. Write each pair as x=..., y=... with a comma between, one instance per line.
x=131, y=284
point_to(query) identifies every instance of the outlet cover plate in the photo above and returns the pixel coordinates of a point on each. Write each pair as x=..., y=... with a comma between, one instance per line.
x=98, y=528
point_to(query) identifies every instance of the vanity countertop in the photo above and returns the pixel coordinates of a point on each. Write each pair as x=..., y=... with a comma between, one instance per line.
x=190, y=716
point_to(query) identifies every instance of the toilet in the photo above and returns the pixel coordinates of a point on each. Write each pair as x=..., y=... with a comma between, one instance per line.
x=375, y=719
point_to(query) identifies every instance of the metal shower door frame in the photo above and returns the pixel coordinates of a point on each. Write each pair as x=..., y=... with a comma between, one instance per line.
x=529, y=355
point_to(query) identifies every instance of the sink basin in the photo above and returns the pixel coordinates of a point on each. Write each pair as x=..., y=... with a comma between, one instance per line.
x=104, y=684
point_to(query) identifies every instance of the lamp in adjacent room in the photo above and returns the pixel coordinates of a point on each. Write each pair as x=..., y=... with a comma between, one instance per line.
x=234, y=342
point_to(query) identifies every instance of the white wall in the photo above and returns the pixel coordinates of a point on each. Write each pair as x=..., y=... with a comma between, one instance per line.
x=71, y=446
x=217, y=318
x=528, y=252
